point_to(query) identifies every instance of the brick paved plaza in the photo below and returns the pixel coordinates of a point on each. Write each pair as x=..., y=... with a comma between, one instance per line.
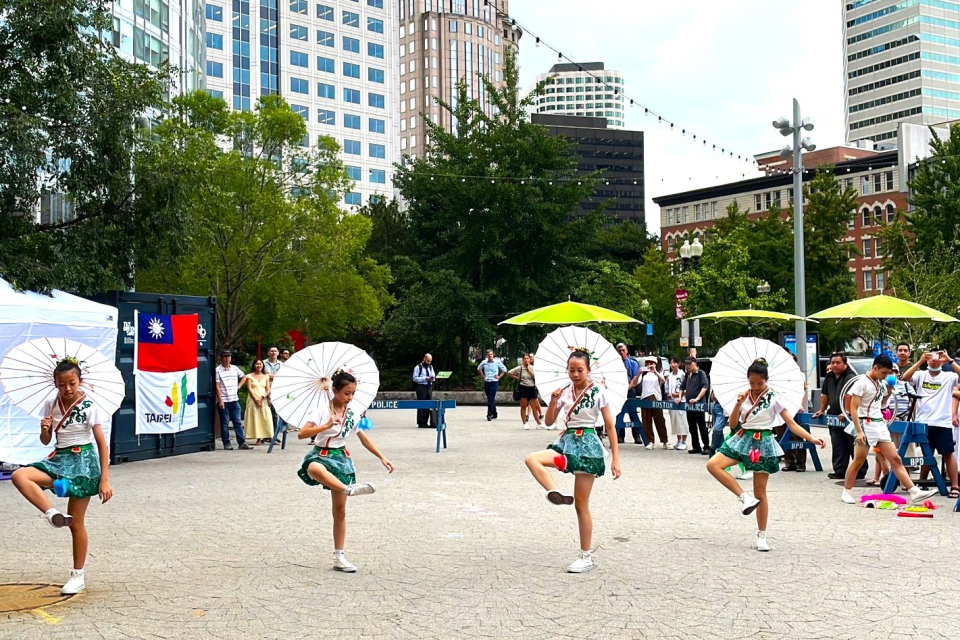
x=463, y=545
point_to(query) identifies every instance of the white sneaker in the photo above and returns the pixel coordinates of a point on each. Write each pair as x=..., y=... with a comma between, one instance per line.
x=340, y=563
x=748, y=504
x=361, y=489
x=919, y=495
x=666, y=445
x=649, y=446
x=847, y=498
x=526, y=426
x=75, y=584
x=56, y=519
x=761, y=543
x=582, y=564
x=746, y=475
x=682, y=446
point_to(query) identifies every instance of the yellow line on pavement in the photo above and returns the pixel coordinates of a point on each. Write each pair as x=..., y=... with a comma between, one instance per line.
x=49, y=619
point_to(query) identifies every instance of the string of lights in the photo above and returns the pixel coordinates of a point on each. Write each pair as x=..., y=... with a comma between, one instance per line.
x=633, y=102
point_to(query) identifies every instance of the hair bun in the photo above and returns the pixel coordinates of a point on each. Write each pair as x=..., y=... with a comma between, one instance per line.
x=762, y=361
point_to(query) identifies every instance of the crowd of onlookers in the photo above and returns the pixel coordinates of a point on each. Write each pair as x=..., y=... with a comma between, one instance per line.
x=260, y=421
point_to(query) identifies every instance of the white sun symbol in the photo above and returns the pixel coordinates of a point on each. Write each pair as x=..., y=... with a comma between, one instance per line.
x=155, y=328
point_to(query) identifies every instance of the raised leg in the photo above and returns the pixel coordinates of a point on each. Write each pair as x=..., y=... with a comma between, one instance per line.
x=319, y=473
x=539, y=464
x=31, y=482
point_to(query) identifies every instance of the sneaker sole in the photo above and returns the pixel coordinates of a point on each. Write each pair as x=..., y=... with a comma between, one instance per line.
x=926, y=495
x=72, y=593
x=750, y=509
x=59, y=521
x=345, y=569
x=557, y=498
x=762, y=550
x=590, y=568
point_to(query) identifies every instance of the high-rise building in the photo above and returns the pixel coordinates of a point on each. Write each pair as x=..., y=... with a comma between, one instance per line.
x=443, y=42
x=583, y=89
x=901, y=64
x=334, y=61
x=617, y=154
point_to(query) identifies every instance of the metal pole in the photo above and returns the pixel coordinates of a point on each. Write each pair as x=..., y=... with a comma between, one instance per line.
x=800, y=296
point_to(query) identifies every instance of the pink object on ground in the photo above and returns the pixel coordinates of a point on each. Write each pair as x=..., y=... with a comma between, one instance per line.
x=884, y=497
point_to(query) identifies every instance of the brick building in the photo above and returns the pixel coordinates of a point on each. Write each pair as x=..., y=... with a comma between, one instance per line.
x=874, y=175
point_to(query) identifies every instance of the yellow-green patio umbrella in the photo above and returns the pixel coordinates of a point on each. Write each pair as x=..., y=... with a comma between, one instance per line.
x=569, y=313
x=748, y=316
x=883, y=309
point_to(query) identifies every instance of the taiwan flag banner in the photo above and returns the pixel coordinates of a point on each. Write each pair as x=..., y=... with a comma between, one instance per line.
x=165, y=366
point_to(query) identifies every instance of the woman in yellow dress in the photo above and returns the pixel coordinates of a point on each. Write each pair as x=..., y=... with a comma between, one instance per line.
x=258, y=419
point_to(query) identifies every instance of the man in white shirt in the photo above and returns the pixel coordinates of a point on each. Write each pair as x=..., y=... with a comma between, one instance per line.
x=936, y=409
x=272, y=367
x=228, y=401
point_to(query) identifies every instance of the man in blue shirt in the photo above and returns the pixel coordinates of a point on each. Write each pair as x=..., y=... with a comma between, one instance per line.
x=423, y=377
x=491, y=371
x=633, y=369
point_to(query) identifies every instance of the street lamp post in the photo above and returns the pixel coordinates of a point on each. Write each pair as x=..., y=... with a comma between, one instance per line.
x=797, y=127
x=763, y=288
x=690, y=255
x=685, y=256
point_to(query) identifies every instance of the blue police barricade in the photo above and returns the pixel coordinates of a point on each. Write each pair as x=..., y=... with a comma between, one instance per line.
x=437, y=406
x=666, y=405
x=916, y=433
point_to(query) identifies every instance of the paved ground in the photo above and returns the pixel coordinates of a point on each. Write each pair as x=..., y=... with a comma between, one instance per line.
x=463, y=545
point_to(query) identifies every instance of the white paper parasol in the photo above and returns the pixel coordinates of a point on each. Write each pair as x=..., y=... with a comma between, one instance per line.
x=728, y=373
x=303, y=381
x=26, y=373
x=606, y=365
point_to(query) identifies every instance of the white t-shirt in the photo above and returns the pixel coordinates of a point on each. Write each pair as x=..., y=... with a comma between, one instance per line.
x=336, y=436
x=586, y=413
x=650, y=385
x=762, y=412
x=871, y=393
x=78, y=428
x=936, y=397
x=229, y=380
x=673, y=383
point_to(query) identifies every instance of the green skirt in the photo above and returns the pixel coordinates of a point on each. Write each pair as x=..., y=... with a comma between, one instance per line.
x=336, y=461
x=581, y=450
x=80, y=466
x=739, y=445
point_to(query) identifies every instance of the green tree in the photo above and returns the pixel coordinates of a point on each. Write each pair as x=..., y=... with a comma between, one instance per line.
x=68, y=109
x=264, y=231
x=657, y=286
x=624, y=243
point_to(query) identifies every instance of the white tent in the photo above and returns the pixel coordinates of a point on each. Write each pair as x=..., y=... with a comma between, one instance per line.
x=28, y=315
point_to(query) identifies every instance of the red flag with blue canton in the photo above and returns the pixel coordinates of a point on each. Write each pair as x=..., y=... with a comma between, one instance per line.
x=166, y=343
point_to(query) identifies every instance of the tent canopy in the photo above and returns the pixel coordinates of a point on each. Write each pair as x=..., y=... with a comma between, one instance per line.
x=26, y=315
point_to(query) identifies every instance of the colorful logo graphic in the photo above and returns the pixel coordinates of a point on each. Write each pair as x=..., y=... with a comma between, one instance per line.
x=179, y=399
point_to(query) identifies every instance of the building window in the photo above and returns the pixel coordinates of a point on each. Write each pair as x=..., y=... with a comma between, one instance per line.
x=865, y=215
x=891, y=213
x=214, y=13
x=865, y=185
x=298, y=6
x=214, y=41
x=298, y=32
x=324, y=38
x=303, y=112
x=670, y=243
x=325, y=64
x=888, y=187
x=351, y=44
x=378, y=176
x=351, y=147
x=351, y=70
x=376, y=4
x=881, y=278
x=876, y=248
x=214, y=69
x=877, y=216
x=867, y=280
x=375, y=75
x=351, y=121
x=352, y=198
x=377, y=126
x=683, y=213
x=327, y=91
x=299, y=59
x=868, y=247
x=380, y=151
x=299, y=85
x=375, y=50
x=768, y=199
x=354, y=173
x=376, y=100
x=351, y=95
x=351, y=19
x=324, y=12
x=375, y=25
x=326, y=116
x=696, y=213
x=877, y=183
x=758, y=202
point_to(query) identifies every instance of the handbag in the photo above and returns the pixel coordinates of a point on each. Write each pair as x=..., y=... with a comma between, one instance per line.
x=516, y=391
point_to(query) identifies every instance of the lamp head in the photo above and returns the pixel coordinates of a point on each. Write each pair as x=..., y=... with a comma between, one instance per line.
x=685, y=250
x=781, y=123
x=786, y=152
x=696, y=249
x=807, y=144
x=807, y=124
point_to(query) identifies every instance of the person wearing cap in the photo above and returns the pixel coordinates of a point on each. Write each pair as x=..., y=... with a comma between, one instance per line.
x=228, y=401
x=650, y=383
x=694, y=388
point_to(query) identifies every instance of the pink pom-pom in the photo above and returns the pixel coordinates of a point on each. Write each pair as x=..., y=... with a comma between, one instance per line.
x=884, y=497
x=560, y=462
x=754, y=456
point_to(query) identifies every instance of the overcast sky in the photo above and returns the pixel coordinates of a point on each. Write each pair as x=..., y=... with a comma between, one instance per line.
x=723, y=69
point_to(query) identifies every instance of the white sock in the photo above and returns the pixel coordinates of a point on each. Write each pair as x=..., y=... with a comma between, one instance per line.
x=761, y=534
x=914, y=489
x=51, y=511
x=338, y=552
x=349, y=490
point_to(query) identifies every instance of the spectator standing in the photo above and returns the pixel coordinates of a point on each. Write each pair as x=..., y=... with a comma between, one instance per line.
x=424, y=377
x=719, y=422
x=678, y=421
x=272, y=367
x=831, y=404
x=632, y=368
x=527, y=390
x=695, y=387
x=257, y=416
x=228, y=401
x=284, y=356
x=650, y=382
x=491, y=371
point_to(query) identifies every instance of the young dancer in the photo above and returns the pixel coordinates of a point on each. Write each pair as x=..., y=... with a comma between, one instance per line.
x=578, y=450
x=868, y=395
x=329, y=463
x=527, y=385
x=76, y=422
x=754, y=445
